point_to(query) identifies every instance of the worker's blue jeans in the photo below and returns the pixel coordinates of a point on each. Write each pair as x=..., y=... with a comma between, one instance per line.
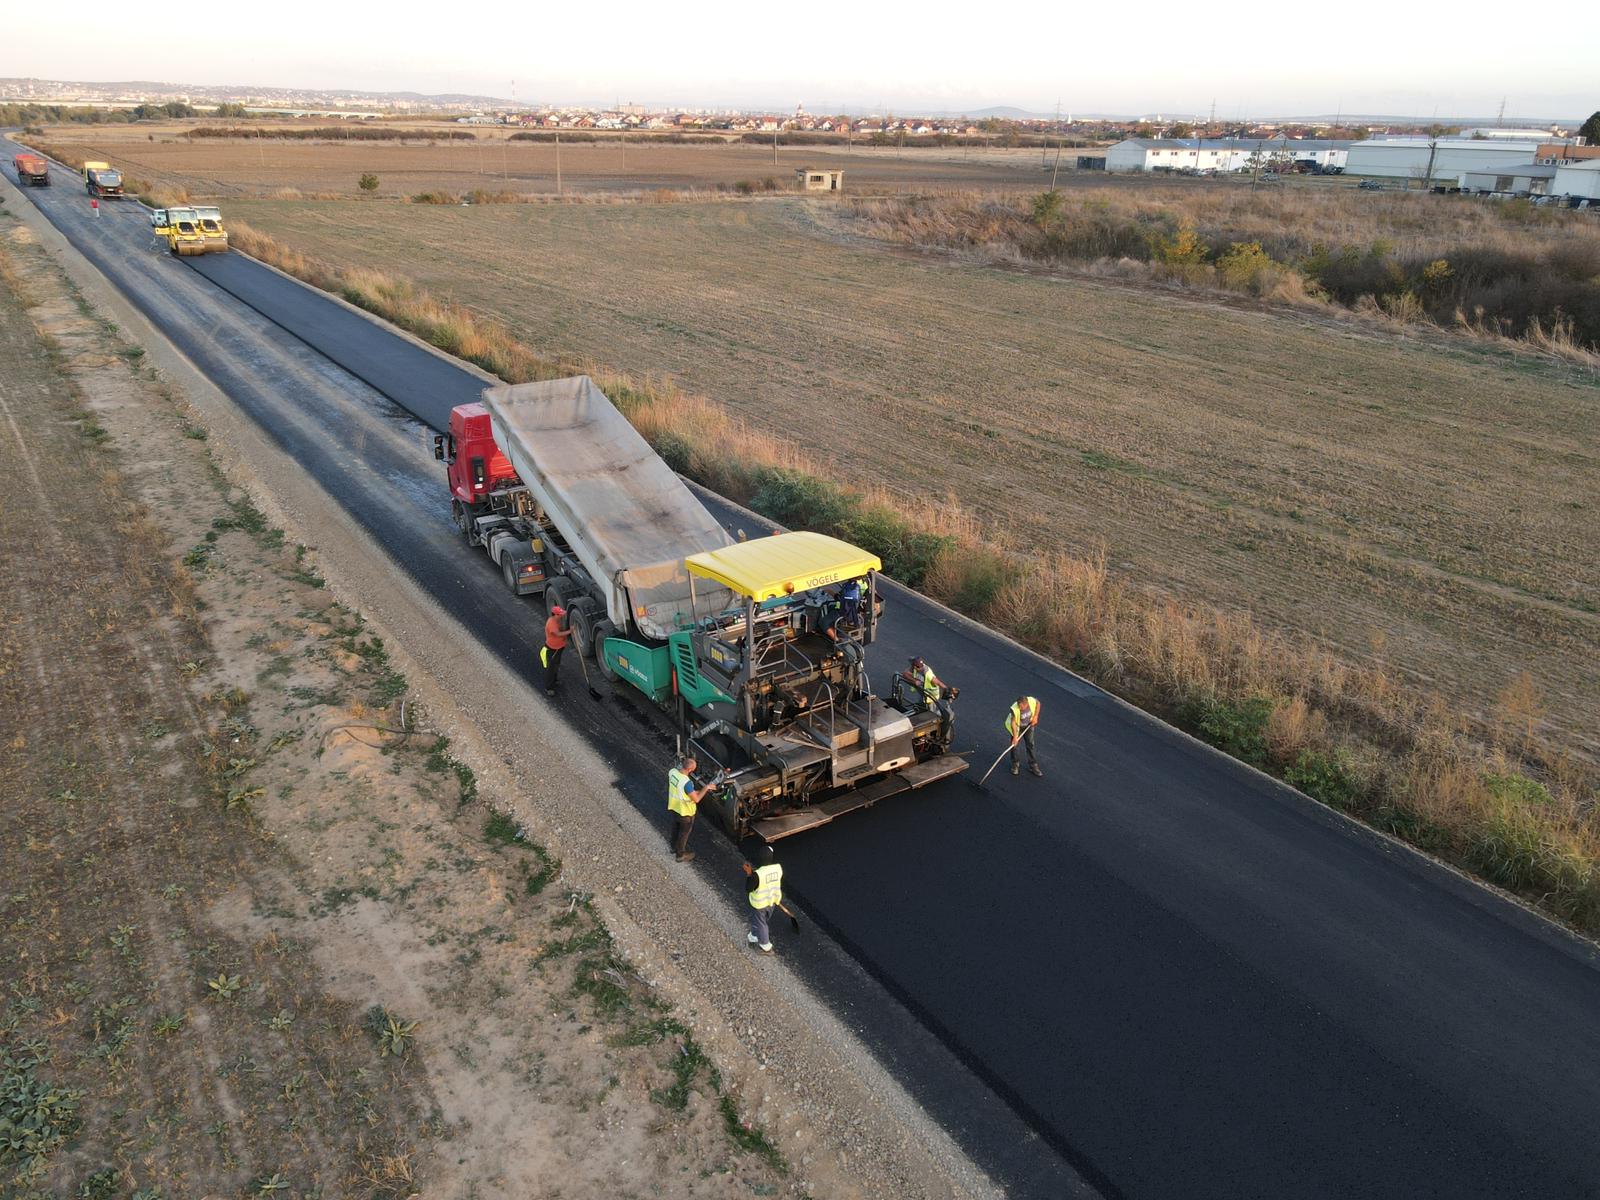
x=759, y=928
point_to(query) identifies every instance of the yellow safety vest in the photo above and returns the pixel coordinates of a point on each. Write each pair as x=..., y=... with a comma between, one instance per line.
x=1014, y=717
x=767, y=891
x=679, y=786
x=930, y=689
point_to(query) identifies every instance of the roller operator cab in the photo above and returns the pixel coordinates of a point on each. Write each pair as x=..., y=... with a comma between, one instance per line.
x=212, y=232
x=180, y=229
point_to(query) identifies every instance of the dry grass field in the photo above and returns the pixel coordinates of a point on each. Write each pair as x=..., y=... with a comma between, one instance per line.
x=1419, y=502
x=258, y=167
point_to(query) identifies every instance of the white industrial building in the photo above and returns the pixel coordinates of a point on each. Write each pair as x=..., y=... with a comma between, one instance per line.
x=1222, y=154
x=1578, y=179
x=1515, y=177
x=1448, y=158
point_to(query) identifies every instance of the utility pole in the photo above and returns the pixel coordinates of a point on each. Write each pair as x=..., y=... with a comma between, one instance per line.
x=558, y=162
x=1433, y=149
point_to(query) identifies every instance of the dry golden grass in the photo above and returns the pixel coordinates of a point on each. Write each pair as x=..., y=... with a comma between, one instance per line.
x=1495, y=798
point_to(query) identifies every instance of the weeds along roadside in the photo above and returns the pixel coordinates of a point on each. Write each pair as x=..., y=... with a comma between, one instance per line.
x=254, y=742
x=1487, y=793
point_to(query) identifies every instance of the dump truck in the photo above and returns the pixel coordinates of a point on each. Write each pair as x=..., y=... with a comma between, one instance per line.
x=180, y=229
x=32, y=170
x=730, y=638
x=102, y=179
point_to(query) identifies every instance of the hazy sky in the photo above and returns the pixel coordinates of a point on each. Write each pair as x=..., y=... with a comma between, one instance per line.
x=1247, y=57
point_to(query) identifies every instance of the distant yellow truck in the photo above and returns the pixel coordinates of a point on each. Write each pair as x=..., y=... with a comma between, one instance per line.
x=189, y=231
x=102, y=179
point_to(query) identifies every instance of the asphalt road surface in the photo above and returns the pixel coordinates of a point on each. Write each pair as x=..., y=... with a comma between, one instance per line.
x=1153, y=973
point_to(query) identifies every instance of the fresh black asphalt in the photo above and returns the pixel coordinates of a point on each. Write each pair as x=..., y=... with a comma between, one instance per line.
x=1154, y=970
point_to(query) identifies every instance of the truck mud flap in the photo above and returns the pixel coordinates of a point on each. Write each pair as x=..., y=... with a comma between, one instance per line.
x=771, y=829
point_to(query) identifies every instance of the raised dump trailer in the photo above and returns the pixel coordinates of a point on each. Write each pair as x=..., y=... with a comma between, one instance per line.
x=731, y=638
x=32, y=170
x=102, y=179
x=212, y=232
x=180, y=229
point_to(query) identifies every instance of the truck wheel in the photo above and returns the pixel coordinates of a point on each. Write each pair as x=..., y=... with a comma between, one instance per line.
x=508, y=572
x=555, y=594
x=463, y=519
x=582, y=621
x=604, y=629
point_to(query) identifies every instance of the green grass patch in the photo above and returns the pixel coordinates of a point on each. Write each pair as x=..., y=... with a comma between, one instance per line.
x=688, y=1063
x=749, y=1138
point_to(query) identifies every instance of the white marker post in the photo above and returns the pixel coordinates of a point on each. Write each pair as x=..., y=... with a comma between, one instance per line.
x=94, y=203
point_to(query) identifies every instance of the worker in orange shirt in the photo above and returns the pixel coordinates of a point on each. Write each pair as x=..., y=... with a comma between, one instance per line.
x=556, y=633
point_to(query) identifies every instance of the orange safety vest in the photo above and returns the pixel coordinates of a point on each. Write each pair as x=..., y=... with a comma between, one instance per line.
x=553, y=637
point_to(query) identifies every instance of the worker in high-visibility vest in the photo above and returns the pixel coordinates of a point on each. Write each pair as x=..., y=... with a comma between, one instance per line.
x=931, y=692
x=1021, y=721
x=683, y=800
x=556, y=632
x=764, y=886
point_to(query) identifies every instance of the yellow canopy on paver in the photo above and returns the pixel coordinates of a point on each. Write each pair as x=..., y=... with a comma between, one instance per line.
x=783, y=564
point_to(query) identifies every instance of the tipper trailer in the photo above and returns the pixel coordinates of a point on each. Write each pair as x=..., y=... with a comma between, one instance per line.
x=102, y=179
x=730, y=638
x=32, y=170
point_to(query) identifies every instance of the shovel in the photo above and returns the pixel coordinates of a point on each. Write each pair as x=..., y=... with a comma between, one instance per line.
x=794, y=921
x=992, y=766
x=584, y=671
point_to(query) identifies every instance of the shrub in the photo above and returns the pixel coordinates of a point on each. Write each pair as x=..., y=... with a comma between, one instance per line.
x=368, y=183
x=436, y=198
x=1237, y=727
x=803, y=501
x=1046, y=209
x=1324, y=776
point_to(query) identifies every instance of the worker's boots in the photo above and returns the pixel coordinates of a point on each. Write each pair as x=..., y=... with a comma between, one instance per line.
x=1034, y=767
x=1015, y=769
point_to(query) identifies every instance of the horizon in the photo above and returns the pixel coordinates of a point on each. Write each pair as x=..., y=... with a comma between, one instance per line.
x=935, y=61
x=754, y=108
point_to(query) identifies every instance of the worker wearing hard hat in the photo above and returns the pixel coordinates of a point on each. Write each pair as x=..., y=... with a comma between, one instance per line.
x=1021, y=721
x=764, y=886
x=556, y=633
x=683, y=801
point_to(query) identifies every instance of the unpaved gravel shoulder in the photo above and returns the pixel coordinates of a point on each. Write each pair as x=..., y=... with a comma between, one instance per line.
x=843, y=1125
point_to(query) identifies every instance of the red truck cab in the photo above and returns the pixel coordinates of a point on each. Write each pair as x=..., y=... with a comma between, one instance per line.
x=475, y=467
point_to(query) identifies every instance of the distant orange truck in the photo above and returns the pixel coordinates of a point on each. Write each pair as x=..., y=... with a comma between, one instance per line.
x=32, y=170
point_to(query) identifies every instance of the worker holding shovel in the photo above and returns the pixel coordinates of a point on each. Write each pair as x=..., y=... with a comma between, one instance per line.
x=764, y=886
x=1021, y=721
x=556, y=633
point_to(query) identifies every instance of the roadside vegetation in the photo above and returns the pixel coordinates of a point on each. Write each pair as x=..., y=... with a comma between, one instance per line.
x=1487, y=792
x=1492, y=269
